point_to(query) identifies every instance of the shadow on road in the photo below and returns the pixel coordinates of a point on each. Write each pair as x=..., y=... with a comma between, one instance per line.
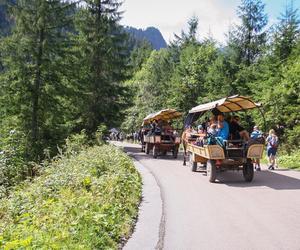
x=133, y=149
x=261, y=179
x=271, y=179
x=136, y=153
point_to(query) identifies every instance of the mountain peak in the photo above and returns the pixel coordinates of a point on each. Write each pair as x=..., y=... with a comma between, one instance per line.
x=151, y=34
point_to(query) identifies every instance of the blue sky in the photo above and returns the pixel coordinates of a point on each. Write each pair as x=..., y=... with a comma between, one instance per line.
x=171, y=16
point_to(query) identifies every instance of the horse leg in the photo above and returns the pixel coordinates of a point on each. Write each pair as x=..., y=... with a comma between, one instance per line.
x=184, y=154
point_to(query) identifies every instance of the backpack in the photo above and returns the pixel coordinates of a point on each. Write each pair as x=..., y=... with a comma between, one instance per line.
x=274, y=142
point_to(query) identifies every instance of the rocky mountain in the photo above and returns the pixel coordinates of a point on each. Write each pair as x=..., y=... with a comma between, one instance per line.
x=151, y=34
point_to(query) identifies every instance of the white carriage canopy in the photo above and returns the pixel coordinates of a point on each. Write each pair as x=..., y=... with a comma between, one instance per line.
x=165, y=114
x=225, y=105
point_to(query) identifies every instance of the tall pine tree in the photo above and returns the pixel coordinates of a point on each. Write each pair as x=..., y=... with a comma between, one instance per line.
x=34, y=68
x=103, y=58
x=248, y=38
x=286, y=33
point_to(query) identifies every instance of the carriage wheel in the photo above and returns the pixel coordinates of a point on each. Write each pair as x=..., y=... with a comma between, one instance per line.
x=248, y=171
x=192, y=164
x=155, y=151
x=211, y=170
x=147, y=149
x=175, y=152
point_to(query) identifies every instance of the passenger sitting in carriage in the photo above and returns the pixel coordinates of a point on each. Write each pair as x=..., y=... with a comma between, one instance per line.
x=167, y=132
x=155, y=127
x=223, y=127
x=190, y=133
x=200, y=129
x=168, y=129
x=201, y=133
x=237, y=132
x=213, y=129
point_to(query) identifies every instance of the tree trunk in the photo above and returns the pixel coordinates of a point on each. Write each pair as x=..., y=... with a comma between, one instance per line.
x=36, y=90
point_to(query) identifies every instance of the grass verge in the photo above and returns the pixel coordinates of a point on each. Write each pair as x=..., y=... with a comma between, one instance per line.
x=88, y=200
x=291, y=161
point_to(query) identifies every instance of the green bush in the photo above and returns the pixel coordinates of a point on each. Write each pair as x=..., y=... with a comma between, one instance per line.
x=14, y=164
x=100, y=134
x=285, y=160
x=290, y=161
x=292, y=138
x=87, y=200
x=75, y=143
x=13, y=167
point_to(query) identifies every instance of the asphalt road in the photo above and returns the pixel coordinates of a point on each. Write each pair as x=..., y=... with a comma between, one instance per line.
x=230, y=214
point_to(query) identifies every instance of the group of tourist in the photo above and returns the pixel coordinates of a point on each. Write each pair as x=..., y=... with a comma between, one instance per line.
x=161, y=127
x=158, y=127
x=230, y=129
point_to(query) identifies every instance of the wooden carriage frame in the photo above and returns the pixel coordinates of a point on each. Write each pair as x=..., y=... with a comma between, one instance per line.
x=214, y=157
x=155, y=142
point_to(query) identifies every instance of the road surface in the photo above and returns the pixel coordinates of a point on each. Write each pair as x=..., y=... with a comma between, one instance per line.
x=230, y=214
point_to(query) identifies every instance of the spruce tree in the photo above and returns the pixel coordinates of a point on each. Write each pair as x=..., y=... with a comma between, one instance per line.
x=103, y=58
x=187, y=38
x=34, y=70
x=140, y=54
x=248, y=38
x=286, y=33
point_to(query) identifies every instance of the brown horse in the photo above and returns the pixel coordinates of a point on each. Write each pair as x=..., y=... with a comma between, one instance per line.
x=185, y=139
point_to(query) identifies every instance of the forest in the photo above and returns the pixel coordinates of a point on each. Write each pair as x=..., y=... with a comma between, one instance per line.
x=69, y=66
x=258, y=60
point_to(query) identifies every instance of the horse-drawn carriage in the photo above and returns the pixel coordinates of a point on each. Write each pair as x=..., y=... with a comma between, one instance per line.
x=166, y=139
x=228, y=155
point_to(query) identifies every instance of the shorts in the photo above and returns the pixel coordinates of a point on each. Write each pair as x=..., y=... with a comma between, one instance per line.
x=271, y=151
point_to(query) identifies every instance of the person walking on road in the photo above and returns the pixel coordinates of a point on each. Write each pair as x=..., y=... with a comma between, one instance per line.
x=272, y=145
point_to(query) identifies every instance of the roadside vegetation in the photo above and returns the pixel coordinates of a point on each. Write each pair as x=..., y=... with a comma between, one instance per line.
x=290, y=160
x=85, y=198
x=284, y=159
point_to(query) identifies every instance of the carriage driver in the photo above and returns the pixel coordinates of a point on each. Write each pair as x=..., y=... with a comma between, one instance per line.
x=236, y=130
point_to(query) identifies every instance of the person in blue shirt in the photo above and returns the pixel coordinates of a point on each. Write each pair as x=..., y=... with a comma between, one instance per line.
x=256, y=133
x=223, y=128
x=272, y=145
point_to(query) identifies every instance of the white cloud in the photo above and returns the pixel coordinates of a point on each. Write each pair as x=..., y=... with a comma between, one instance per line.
x=171, y=17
